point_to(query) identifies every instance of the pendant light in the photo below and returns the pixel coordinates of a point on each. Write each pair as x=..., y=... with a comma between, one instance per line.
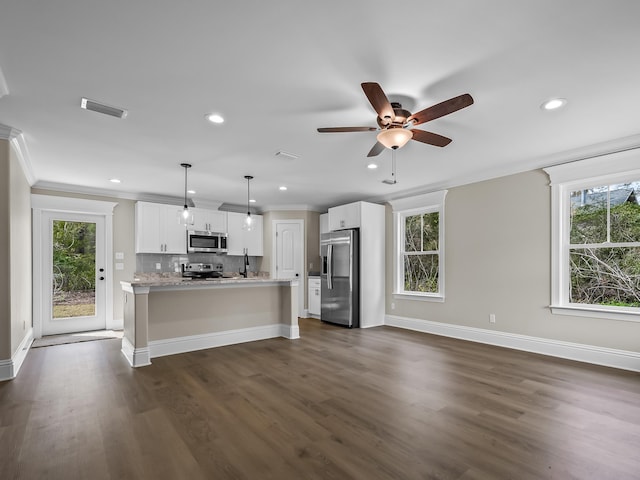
x=248, y=222
x=186, y=215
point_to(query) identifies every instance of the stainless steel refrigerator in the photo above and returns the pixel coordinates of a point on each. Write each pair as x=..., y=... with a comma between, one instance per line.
x=339, y=300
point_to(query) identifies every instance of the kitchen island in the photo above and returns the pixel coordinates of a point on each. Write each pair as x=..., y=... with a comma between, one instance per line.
x=166, y=316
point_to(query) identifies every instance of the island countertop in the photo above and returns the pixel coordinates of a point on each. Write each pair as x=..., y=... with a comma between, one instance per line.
x=174, y=283
x=169, y=314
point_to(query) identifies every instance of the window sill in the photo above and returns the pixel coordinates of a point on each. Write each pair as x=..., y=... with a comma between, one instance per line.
x=610, y=313
x=423, y=297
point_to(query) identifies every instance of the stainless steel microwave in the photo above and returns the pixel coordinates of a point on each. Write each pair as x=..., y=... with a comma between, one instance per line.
x=208, y=242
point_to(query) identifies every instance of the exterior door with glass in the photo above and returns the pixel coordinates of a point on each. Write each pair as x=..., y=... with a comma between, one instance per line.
x=74, y=273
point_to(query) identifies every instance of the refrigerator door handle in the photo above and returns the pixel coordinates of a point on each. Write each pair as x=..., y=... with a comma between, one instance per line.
x=330, y=267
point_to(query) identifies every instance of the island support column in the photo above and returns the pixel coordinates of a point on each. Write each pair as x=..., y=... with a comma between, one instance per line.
x=290, y=310
x=135, y=341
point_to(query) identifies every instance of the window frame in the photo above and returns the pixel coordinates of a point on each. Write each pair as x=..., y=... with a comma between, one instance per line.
x=406, y=207
x=608, y=169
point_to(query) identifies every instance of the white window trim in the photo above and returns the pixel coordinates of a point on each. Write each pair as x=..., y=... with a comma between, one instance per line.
x=602, y=170
x=427, y=203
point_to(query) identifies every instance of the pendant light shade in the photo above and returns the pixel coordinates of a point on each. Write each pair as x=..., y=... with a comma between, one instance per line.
x=395, y=137
x=248, y=222
x=186, y=215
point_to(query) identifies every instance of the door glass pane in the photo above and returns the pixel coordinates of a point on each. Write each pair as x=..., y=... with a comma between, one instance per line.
x=74, y=269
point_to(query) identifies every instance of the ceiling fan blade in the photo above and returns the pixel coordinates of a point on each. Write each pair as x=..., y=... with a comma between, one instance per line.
x=346, y=129
x=376, y=150
x=378, y=100
x=430, y=138
x=441, y=109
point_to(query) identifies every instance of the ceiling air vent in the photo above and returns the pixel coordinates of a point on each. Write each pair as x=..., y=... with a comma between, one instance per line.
x=102, y=108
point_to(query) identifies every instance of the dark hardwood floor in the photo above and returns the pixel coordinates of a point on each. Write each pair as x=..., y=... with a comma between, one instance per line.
x=380, y=403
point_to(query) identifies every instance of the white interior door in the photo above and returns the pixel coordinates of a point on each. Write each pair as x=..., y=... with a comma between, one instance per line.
x=73, y=273
x=289, y=254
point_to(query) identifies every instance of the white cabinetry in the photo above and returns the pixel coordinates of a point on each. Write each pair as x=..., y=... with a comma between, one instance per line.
x=158, y=229
x=209, y=220
x=369, y=218
x=324, y=227
x=345, y=216
x=314, y=297
x=239, y=239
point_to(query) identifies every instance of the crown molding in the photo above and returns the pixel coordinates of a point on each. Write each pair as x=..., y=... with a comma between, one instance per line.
x=104, y=192
x=16, y=139
x=296, y=208
x=618, y=145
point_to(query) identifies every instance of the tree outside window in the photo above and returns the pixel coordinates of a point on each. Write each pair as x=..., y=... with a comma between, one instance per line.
x=421, y=254
x=604, y=245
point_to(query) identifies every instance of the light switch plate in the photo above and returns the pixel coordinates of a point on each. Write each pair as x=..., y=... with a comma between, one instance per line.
x=119, y=255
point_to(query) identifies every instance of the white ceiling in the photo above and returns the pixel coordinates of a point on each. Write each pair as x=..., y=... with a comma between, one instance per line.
x=278, y=70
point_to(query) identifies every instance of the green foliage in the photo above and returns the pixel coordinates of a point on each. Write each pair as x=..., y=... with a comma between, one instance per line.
x=74, y=256
x=420, y=269
x=601, y=274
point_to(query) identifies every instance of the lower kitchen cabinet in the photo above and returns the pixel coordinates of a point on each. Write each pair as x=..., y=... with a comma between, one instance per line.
x=239, y=240
x=314, y=297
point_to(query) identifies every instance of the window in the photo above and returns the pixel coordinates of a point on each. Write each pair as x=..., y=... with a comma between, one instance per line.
x=596, y=235
x=419, y=243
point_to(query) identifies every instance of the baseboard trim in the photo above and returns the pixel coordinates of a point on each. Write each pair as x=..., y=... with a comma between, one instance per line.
x=173, y=346
x=137, y=357
x=9, y=368
x=608, y=357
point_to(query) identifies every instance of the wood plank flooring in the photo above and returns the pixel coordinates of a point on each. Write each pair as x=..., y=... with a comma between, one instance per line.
x=379, y=403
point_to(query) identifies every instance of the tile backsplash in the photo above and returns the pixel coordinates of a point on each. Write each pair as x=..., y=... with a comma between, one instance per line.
x=148, y=262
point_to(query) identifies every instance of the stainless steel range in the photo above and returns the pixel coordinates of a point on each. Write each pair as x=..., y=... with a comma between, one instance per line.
x=202, y=270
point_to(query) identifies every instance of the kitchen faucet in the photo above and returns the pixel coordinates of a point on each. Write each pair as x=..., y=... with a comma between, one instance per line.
x=245, y=263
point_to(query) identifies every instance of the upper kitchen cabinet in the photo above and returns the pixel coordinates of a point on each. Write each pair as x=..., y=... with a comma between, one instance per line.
x=158, y=229
x=209, y=220
x=240, y=239
x=324, y=227
x=344, y=216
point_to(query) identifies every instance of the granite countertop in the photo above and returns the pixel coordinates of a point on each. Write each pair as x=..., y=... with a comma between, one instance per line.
x=175, y=280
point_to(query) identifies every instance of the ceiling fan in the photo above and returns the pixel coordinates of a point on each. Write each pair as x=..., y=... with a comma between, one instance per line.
x=395, y=124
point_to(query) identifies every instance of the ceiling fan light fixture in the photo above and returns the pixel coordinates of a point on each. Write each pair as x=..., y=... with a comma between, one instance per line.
x=394, y=138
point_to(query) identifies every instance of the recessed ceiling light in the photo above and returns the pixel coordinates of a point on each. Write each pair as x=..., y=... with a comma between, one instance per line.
x=554, y=104
x=252, y=201
x=214, y=117
x=115, y=180
x=283, y=188
x=372, y=166
x=192, y=192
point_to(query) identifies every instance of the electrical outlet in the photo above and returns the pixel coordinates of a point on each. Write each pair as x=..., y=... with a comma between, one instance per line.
x=393, y=306
x=492, y=318
x=158, y=266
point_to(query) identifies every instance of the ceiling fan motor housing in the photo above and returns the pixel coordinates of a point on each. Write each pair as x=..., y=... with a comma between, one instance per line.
x=400, y=119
